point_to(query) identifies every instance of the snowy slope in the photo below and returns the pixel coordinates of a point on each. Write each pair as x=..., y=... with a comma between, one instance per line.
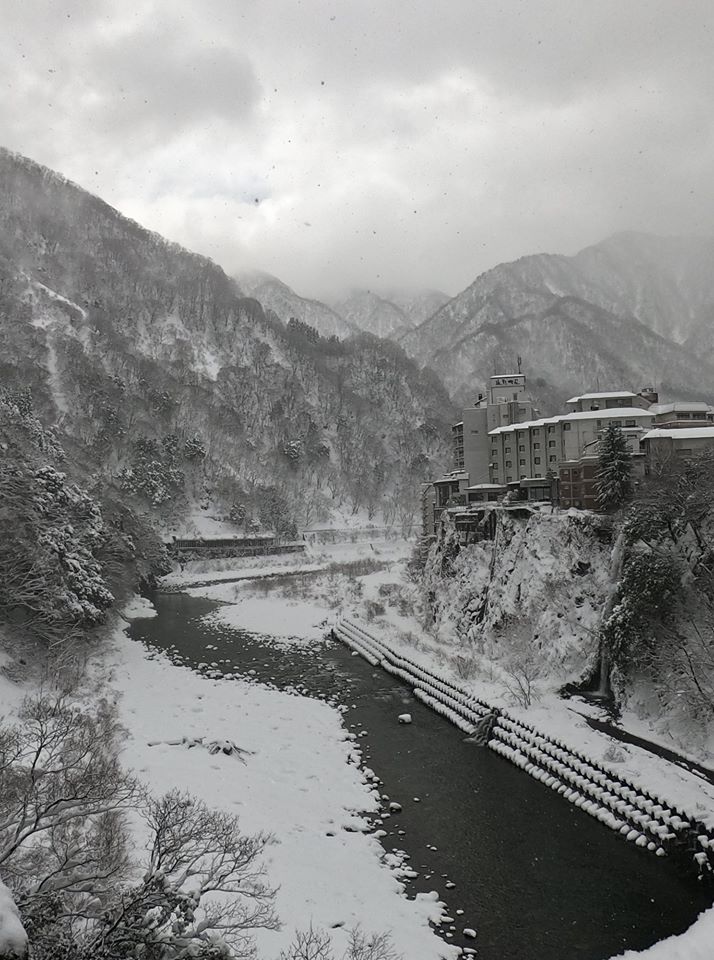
x=632, y=310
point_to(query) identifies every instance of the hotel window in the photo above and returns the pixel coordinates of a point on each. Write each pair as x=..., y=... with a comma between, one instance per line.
x=566, y=426
x=552, y=459
x=521, y=463
x=633, y=423
x=536, y=446
x=509, y=478
x=507, y=450
x=551, y=443
x=521, y=448
x=509, y=463
x=539, y=475
x=551, y=429
x=536, y=459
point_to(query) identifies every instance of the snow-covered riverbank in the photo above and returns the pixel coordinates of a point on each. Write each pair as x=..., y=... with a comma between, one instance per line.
x=297, y=783
x=562, y=718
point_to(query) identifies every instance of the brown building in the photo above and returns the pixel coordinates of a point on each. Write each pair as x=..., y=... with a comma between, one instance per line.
x=578, y=483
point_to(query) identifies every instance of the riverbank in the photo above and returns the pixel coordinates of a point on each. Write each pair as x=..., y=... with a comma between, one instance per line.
x=385, y=600
x=294, y=609
x=299, y=782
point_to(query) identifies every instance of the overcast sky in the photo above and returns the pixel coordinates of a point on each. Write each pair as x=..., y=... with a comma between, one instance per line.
x=372, y=143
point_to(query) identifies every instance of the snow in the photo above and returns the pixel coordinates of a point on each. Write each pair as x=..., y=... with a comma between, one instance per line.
x=696, y=943
x=692, y=406
x=297, y=784
x=317, y=557
x=612, y=395
x=681, y=433
x=302, y=623
x=138, y=607
x=13, y=939
x=191, y=575
x=609, y=413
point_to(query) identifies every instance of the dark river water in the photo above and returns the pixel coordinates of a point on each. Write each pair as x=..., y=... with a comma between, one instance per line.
x=537, y=878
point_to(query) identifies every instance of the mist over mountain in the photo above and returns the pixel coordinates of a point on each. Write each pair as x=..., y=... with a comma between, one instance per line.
x=167, y=380
x=389, y=315
x=282, y=300
x=632, y=310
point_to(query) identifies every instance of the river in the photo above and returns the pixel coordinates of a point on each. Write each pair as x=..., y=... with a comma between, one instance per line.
x=537, y=878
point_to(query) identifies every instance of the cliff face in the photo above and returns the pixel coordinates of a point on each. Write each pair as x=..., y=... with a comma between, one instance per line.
x=538, y=586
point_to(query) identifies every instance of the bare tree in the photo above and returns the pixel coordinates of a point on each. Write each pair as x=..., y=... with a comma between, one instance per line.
x=314, y=944
x=61, y=789
x=522, y=664
x=204, y=889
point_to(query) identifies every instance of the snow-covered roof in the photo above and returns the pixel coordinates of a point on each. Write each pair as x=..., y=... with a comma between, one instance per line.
x=611, y=395
x=611, y=413
x=453, y=477
x=680, y=433
x=696, y=406
x=486, y=486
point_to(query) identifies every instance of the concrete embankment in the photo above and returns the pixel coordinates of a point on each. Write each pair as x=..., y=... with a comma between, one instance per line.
x=636, y=814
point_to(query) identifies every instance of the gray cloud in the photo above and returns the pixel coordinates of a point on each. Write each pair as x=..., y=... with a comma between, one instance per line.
x=372, y=144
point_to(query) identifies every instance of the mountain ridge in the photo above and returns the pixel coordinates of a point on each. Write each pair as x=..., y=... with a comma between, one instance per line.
x=167, y=381
x=623, y=282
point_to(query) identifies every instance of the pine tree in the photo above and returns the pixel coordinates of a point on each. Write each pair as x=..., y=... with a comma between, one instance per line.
x=613, y=479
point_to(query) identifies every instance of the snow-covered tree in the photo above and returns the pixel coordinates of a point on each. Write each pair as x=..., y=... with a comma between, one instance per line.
x=614, y=470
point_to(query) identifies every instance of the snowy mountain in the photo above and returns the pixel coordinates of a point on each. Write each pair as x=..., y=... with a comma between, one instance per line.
x=634, y=309
x=282, y=300
x=384, y=315
x=389, y=315
x=166, y=379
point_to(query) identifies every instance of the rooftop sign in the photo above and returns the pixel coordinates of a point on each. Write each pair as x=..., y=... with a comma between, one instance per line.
x=510, y=380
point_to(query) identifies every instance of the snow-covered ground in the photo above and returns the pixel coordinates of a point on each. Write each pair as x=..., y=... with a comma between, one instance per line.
x=297, y=783
x=697, y=943
x=293, y=622
x=317, y=556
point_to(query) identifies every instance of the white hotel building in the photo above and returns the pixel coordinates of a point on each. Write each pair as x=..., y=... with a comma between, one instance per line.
x=534, y=448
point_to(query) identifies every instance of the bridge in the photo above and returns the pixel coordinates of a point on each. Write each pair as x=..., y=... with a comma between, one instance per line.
x=212, y=548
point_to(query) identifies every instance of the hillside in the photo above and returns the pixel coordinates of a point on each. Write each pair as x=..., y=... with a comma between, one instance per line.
x=282, y=300
x=391, y=315
x=634, y=309
x=169, y=383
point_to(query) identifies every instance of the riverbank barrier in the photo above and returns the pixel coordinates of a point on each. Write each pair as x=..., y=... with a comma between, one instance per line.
x=637, y=815
x=216, y=548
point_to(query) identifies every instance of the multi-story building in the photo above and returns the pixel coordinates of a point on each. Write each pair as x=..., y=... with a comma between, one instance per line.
x=505, y=402
x=501, y=445
x=536, y=448
x=588, y=402
x=687, y=414
x=661, y=444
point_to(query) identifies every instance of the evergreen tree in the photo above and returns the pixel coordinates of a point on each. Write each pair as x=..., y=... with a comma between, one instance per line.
x=613, y=479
